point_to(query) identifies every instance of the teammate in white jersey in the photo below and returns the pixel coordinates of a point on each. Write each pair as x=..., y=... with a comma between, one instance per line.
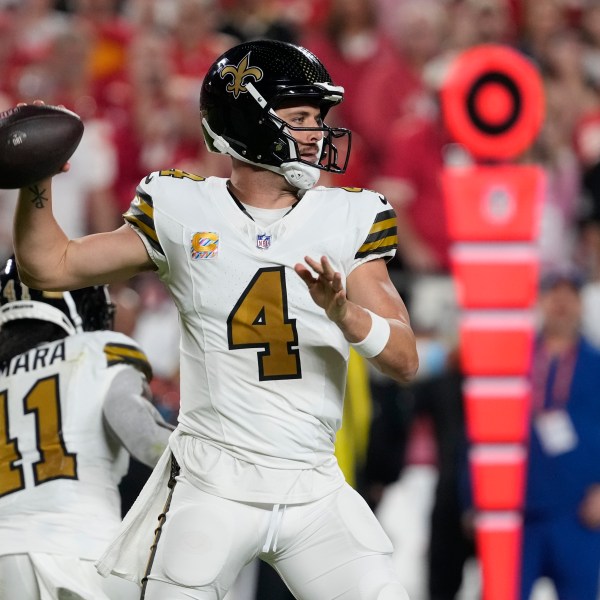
x=274, y=279
x=71, y=411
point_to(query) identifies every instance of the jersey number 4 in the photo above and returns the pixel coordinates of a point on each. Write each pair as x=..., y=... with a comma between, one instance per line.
x=260, y=320
x=54, y=461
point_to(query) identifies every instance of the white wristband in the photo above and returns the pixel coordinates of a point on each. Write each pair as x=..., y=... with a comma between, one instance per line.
x=376, y=339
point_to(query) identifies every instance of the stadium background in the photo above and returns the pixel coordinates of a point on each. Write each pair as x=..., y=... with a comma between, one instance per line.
x=133, y=68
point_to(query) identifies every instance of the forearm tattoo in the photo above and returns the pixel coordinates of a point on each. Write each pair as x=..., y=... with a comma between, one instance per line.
x=38, y=199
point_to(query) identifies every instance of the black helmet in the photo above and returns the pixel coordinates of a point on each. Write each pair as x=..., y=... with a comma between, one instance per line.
x=86, y=309
x=237, y=102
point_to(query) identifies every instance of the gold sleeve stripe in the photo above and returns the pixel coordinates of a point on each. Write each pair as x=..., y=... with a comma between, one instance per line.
x=379, y=236
x=141, y=214
x=383, y=245
x=382, y=237
x=122, y=353
x=145, y=207
x=138, y=222
x=385, y=215
x=383, y=225
x=144, y=197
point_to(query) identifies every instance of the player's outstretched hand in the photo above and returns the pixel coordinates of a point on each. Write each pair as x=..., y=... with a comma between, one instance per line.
x=326, y=288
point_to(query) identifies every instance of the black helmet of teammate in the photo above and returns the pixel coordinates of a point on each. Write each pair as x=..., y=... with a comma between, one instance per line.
x=237, y=102
x=86, y=309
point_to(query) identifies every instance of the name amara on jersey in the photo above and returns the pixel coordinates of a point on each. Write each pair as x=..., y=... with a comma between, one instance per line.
x=37, y=358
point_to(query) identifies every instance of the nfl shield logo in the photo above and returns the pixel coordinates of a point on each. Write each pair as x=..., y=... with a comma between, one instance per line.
x=263, y=241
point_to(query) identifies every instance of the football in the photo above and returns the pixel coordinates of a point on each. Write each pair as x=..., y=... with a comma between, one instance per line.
x=35, y=142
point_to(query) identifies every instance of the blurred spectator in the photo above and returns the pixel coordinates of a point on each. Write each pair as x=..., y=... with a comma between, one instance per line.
x=410, y=178
x=481, y=22
x=561, y=194
x=110, y=34
x=540, y=21
x=150, y=14
x=155, y=119
x=394, y=88
x=590, y=28
x=8, y=63
x=36, y=24
x=352, y=45
x=568, y=88
x=256, y=19
x=561, y=535
x=565, y=146
x=62, y=74
x=196, y=41
x=589, y=238
x=409, y=175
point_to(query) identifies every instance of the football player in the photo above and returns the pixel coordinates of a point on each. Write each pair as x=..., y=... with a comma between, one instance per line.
x=73, y=408
x=274, y=278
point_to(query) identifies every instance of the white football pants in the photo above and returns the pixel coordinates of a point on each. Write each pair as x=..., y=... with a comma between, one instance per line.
x=333, y=548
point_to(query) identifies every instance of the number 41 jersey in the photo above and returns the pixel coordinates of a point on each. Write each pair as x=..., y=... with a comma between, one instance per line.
x=59, y=469
x=263, y=369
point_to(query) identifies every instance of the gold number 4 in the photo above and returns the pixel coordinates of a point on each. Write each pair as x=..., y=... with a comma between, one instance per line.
x=260, y=320
x=54, y=461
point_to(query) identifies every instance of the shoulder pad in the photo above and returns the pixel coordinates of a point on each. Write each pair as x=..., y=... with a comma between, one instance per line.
x=360, y=190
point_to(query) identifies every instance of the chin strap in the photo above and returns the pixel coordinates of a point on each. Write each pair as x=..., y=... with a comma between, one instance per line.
x=300, y=175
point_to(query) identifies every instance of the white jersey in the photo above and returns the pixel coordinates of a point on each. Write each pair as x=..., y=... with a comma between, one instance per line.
x=59, y=471
x=263, y=369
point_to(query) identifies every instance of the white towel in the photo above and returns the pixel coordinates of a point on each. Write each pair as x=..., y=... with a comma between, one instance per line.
x=127, y=556
x=61, y=576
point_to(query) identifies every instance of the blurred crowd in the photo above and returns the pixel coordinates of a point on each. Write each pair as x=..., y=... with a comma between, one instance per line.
x=132, y=69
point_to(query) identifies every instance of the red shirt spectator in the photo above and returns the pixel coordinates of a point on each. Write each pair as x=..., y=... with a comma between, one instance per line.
x=411, y=180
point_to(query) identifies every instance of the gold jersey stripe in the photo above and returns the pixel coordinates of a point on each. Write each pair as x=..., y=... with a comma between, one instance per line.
x=147, y=229
x=382, y=236
x=141, y=215
x=387, y=243
x=381, y=225
x=145, y=207
x=384, y=215
x=122, y=353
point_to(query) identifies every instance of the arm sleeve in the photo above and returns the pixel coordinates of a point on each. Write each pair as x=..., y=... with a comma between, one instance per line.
x=133, y=420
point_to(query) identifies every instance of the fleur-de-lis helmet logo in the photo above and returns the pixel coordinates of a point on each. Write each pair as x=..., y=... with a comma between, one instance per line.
x=240, y=73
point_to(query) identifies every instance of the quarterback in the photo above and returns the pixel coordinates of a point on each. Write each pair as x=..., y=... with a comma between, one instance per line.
x=274, y=278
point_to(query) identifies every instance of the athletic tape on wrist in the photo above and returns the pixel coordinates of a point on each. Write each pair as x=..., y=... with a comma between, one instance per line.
x=376, y=339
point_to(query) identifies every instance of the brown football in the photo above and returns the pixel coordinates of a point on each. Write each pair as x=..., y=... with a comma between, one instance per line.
x=35, y=142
